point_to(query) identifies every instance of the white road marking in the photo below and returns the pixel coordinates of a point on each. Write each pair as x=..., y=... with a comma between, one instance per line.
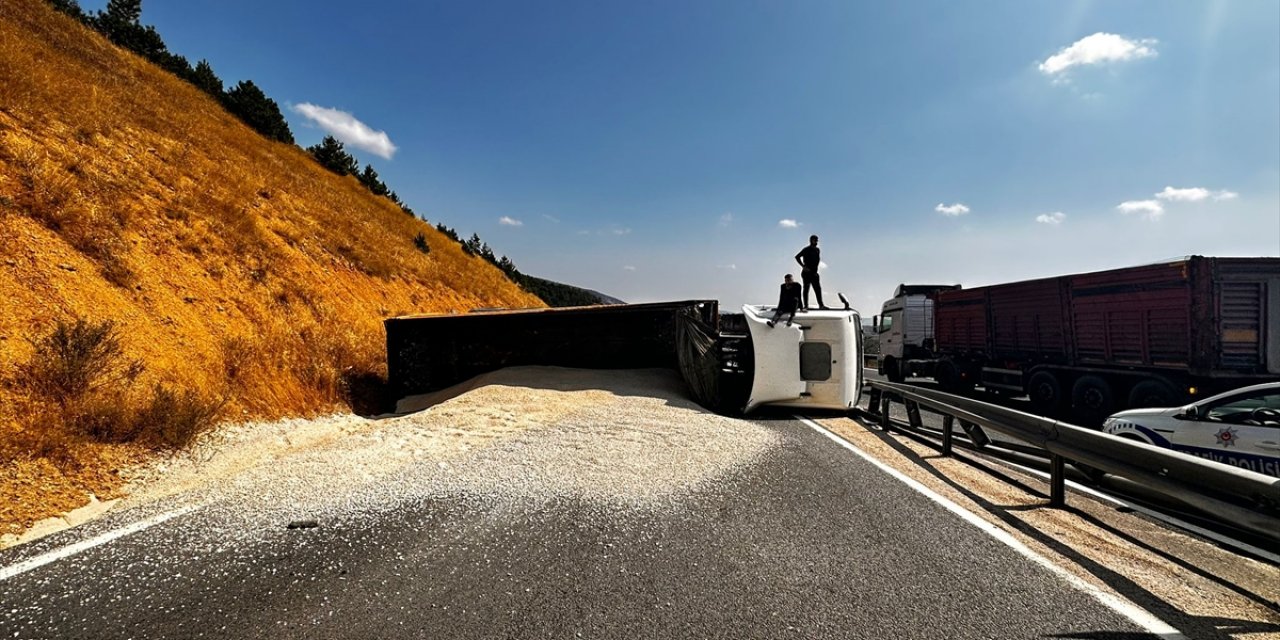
x=72, y=549
x=1141, y=617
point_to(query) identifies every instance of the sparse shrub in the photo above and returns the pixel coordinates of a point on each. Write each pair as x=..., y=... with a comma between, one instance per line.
x=106, y=416
x=237, y=353
x=173, y=418
x=420, y=243
x=78, y=358
x=366, y=392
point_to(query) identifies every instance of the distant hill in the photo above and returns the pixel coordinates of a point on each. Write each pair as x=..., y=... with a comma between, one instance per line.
x=604, y=298
x=557, y=294
x=240, y=278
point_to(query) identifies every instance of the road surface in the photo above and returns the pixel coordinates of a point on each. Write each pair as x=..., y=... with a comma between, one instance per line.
x=806, y=541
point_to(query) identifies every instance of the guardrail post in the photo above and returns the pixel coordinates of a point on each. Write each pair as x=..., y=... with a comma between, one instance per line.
x=873, y=405
x=913, y=414
x=884, y=411
x=976, y=435
x=948, y=422
x=1057, y=482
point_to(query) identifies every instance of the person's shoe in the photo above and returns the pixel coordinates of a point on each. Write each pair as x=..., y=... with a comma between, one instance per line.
x=770, y=323
x=788, y=323
x=823, y=307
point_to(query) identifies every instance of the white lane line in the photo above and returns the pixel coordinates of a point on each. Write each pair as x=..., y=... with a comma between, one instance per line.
x=1141, y=617
x=70, y=550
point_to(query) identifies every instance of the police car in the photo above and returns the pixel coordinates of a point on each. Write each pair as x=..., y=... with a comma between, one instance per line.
x=1240, y=428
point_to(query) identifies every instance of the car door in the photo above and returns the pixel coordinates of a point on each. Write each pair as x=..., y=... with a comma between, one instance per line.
x=1242, y=430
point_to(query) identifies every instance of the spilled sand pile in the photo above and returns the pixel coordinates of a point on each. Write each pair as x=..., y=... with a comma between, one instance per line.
x=623, y=438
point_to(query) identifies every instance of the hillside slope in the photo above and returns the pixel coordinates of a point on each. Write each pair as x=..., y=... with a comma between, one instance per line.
x=232, y=267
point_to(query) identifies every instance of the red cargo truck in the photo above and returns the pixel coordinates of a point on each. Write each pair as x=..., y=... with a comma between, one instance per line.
x=1153, y=335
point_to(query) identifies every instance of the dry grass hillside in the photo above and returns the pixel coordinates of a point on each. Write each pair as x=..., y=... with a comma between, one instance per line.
x=240, y=278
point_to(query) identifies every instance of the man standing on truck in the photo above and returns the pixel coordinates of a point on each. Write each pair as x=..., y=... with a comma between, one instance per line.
x=788, y=300
x=809, y=258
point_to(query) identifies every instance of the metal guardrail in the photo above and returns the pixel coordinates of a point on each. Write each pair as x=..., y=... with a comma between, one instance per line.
x=1240, y=497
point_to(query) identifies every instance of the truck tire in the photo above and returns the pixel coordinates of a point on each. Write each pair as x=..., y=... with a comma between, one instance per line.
x=1045, y=392
x=1152, y=393
x=893, y=370
x=1092, y=400
x=950, y=379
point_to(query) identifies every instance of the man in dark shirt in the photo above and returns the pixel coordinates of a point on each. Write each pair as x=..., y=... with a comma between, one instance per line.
x=809, y=258
x=788, y=300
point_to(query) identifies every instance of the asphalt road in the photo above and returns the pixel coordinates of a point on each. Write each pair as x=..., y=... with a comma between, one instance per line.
x=809, y=542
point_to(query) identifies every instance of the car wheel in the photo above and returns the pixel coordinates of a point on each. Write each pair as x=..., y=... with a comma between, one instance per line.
x=1091, y=400
x=1045, y=392
x=1152, y=393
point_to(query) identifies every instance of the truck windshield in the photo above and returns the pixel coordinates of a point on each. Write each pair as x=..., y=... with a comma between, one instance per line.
x=886, y=323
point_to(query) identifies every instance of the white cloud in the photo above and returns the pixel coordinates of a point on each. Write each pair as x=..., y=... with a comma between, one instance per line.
x=628, y=268
x=1099, y=48
x=728, y=267
x=1148, y=209
x=1195, y=194
x=348, y=129
x=551, y=218
x=1054, y=218
x=726, y=219
x=510, y=222
x=788, y=223
x=620, y=231
x=952, y=210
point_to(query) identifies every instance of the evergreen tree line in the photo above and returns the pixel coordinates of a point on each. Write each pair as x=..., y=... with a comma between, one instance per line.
x=332, y=155
x=121, y=23
x=555, y=294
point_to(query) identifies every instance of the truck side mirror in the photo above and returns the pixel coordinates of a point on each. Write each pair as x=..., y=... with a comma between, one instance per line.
x=875, y=323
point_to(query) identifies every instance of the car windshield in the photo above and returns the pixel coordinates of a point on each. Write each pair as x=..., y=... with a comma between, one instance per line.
x=1241, y=408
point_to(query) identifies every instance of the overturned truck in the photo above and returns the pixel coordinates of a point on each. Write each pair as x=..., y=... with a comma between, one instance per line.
x=731, y=363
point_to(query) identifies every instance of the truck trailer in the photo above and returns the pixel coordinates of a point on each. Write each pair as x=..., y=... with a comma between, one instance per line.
x=1090, y=344
x=732, y=363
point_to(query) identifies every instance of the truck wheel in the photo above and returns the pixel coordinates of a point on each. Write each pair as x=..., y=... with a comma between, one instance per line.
x=1045, y=392
x=950, y=380
x=893, y=370
x=1152, y=393
x=1092, y=400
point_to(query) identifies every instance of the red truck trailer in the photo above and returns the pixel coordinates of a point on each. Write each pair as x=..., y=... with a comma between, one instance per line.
x=1153, y=335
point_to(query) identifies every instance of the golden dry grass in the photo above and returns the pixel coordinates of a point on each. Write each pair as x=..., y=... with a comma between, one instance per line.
x=234, y=266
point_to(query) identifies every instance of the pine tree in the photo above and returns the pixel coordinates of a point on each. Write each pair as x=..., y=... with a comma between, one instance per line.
x=332, y=156
x=124, y=11
x=255, y=109
x=369, y=178
x=119, y=21
x=208, y=81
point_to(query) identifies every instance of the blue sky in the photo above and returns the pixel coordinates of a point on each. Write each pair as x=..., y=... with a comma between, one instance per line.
x=669, y=150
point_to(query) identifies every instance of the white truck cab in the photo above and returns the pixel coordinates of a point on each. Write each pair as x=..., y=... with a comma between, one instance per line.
x=815, y=362
x=905, y=327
